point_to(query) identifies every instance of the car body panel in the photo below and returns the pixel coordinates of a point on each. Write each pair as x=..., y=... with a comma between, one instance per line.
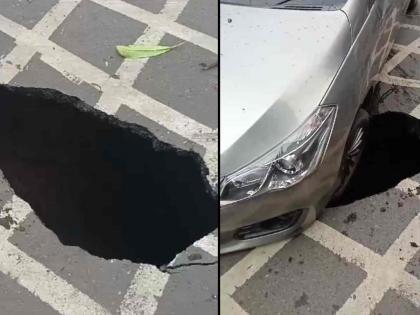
x=368, y=53
x=306, y=4
x=265, y=78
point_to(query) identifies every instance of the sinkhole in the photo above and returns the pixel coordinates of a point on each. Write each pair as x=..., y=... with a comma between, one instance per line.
x=107, y=186
x=391, y=154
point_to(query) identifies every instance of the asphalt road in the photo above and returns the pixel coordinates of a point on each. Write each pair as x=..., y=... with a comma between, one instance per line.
x=69, y=45
x=362, y=258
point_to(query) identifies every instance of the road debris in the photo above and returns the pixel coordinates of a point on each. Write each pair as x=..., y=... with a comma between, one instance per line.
x=144, y=51
x=209, y=66
x=351, y=218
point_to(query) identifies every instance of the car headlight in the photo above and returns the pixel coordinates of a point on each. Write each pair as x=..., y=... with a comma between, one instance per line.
x=285, y=165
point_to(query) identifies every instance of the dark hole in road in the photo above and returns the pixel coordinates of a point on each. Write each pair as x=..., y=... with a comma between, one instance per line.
x=109, y=187
x=392, y=153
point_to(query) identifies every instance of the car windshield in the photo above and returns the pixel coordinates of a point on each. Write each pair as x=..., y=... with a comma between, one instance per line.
x=328, y=4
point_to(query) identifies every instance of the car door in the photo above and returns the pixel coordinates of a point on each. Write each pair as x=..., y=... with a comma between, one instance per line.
x=390, y=13
x=383, y=19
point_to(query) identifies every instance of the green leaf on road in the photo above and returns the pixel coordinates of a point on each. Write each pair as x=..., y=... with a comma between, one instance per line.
x=143, y=51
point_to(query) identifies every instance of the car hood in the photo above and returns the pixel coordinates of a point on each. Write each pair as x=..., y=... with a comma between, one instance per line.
x=276, y=66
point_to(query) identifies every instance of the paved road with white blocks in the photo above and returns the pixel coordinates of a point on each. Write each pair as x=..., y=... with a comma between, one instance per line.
x=69, y=45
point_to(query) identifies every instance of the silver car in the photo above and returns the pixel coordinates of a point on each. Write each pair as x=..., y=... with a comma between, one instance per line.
x=295, y=81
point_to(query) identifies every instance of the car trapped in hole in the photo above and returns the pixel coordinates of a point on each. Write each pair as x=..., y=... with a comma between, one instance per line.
x=295, y=82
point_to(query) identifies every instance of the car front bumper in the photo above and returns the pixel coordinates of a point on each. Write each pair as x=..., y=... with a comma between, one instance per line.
x=309, y=196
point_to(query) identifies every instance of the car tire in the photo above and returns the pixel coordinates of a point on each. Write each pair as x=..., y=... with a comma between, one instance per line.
x=412, y=6
x=353, y=151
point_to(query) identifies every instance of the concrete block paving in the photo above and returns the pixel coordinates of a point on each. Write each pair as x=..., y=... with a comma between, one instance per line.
x=69, y=45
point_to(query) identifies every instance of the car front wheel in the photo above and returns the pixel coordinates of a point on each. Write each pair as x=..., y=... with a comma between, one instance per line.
x=354, y=147
x=412, y=6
